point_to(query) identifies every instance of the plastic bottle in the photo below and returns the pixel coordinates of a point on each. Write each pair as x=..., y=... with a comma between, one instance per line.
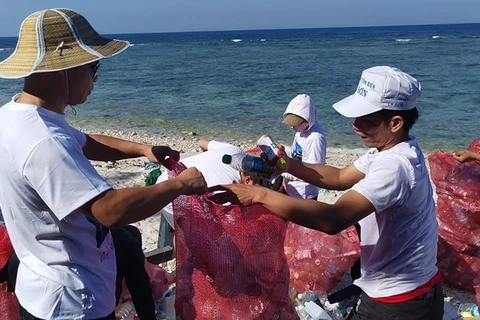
x=468, y=310
x=126, y=311
x=316, y=312
x=310, y=295
x=270, y=148
x=247, y=163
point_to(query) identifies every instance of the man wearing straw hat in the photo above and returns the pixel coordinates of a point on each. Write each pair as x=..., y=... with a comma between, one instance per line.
x=57, y=208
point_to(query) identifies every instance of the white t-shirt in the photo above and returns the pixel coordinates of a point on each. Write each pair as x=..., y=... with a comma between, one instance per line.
x=399, y=239
x=309, y=146
x=210, y=164
x=67, y=260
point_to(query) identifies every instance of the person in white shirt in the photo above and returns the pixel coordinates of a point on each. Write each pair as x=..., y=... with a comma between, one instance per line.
x=390, y=196
x=209, y=163
x=309, y=144
x=56, y=206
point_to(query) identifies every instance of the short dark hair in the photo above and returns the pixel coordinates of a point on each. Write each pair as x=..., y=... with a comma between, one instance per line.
x=409, y=116
x=254, y=176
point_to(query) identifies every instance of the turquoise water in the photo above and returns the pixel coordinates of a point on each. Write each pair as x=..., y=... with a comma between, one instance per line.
x=237, y=84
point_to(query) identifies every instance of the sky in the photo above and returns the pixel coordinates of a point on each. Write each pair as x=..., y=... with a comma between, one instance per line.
x=143, y=16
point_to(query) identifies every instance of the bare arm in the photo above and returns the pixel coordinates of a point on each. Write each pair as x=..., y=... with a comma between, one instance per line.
x=204, y=144
x=466, y=155
x=325, y=176
x=106, y=148
x=117, y=207
x=329, y=218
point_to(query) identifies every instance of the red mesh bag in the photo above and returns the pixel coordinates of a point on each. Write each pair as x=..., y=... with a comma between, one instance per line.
x=8, y=301
x=317, y=261
x=459, y=270
x=6, y=247
x=159, y=281
x=230, y=261
x=458, y=212
x=9, y=309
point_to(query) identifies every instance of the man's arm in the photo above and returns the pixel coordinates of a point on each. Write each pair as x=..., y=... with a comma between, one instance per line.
x=106, y=148
x=329, y=218
x=327, y=177
x=466, y=155
x=117, y=207
x=314, y=152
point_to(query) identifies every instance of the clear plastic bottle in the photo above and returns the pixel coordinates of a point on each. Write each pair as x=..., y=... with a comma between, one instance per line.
x=126, y=311
x=310, y=295
x=468, y=310
x=246, y=163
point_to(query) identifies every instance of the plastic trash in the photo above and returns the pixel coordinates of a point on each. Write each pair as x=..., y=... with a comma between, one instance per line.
x=152, y=177
x=270, y=148
x=247, y=163
x=126, y=311
x=316, y=312
x=468, y=310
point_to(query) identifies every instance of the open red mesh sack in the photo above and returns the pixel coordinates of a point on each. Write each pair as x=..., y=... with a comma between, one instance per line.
x=9, y=309
x=317, y=261
x=458, y=212
x=230, y=261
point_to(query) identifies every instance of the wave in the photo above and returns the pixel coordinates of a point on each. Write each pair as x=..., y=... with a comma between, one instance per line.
x=236, y=40
x=404, y=40
x=436, y=37
x=263, y=40
x=5, y=49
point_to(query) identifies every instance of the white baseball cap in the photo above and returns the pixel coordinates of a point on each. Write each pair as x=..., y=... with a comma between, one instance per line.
x=380, y=88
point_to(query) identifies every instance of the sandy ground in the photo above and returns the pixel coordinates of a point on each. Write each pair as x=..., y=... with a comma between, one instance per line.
x=130, y=173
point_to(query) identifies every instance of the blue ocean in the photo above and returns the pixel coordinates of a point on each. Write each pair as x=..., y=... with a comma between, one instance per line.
x=236, y=84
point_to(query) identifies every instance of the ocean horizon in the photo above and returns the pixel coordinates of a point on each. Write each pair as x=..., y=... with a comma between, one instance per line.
x=236, y=84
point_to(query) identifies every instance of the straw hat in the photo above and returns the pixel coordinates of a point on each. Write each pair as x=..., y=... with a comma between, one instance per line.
x=57, y=39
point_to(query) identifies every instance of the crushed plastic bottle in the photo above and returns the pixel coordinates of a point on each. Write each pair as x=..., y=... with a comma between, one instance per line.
x=468, y=310
x=126, y=311
x=152, y=177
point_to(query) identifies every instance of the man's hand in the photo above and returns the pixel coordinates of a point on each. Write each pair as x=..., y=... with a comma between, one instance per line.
x=464, y=155
x=161, y=154
x=245, y=195
x=192, y=181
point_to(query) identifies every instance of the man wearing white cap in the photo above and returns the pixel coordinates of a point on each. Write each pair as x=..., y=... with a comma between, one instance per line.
x=390, y=196
x=56, y=207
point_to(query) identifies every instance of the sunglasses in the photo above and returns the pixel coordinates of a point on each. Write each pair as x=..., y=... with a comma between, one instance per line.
x=95, y=66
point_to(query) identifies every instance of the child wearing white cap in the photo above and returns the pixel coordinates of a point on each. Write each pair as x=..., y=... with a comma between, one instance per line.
x=309, y=144
x=389, y=195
